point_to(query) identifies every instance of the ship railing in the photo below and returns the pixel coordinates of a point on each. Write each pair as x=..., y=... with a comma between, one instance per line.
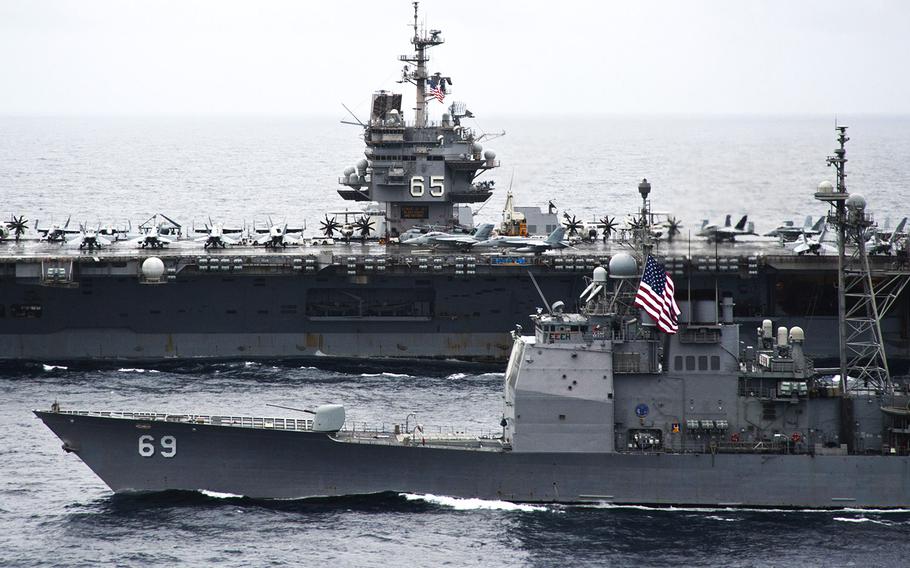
x=447, y=432
x=259, y=422
x=742, y=447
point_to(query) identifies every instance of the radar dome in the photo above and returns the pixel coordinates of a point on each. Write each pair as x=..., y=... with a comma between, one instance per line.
x=152, y=268
x=825, y=187
x=476, y=148
x=362, y=165
x=348, y=171
x=623, y=265
x=600, y=274
x=856, y=202
x=797, y=334
x=353, y=178
x=489, y=155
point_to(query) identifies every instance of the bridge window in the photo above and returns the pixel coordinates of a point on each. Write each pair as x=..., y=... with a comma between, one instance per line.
x=678, y=363
x=702, y=362
x=690, y=362
x=715, y=363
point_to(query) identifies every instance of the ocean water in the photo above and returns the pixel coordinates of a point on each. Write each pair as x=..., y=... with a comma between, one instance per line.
x=54, y=512
x=236, y=169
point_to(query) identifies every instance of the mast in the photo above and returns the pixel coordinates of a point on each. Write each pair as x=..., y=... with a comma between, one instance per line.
x=839, y=161
x=419, y=75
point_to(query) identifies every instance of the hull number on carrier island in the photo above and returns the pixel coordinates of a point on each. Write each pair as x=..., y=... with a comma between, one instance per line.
x=437, y=186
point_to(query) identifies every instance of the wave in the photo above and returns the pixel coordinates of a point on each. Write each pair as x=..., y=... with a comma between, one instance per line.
x=679, y=509
x=132, y=370
x=386, y=374
x=55, y=367
x=867, y=520
x=456, y=376
x=217, y=495
x=465, y=504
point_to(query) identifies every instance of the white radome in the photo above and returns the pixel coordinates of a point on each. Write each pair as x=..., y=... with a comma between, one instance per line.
x=153, y=268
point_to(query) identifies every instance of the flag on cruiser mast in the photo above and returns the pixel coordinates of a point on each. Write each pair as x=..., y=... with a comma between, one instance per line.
x=655, y=296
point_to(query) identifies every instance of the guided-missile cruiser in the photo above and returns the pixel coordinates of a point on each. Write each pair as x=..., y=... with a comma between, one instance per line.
x=626, y=401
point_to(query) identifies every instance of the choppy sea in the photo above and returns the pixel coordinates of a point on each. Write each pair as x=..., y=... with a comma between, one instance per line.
x=54, y=512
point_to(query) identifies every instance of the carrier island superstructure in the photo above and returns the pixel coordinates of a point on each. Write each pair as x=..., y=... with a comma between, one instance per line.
x=376, y=298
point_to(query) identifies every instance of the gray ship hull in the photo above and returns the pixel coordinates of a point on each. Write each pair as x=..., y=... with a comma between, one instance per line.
x=106, y=313
x=263, y=463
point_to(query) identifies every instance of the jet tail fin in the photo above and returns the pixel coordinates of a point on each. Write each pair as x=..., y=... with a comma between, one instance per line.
x=484, y=231
x=557, y=235
x=819, y=224
x=741, y=224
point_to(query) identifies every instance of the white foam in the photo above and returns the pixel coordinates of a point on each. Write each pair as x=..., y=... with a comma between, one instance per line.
x=308, y=368
x=131, y=370
x=54, y=367
x=462, y=504
x=865, y=520
x=217, y=495
x=457, y=376
x=605, y=505
x=396, y=375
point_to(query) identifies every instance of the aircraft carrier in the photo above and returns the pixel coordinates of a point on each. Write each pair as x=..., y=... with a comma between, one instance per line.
x=154, y=298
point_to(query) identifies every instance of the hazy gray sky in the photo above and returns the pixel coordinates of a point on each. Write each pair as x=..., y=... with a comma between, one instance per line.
x=527, y=56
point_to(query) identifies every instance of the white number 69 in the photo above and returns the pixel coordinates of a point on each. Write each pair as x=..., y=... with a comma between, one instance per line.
x=147, y=446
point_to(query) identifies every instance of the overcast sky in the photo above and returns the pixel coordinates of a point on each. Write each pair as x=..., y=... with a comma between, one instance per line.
x=505, y=57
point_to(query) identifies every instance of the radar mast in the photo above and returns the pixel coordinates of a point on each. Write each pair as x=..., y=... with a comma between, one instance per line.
x=421, y=41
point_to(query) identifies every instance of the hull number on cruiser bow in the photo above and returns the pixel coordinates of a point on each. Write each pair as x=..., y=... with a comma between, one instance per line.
x=167, y=446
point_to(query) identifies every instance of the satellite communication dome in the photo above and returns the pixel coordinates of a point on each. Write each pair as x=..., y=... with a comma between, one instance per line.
x=489, y=155
x=825, y=187
x=797, y=334
x=623, y=265
x=362, y=165
x=600, y=274
x=353, y=178
x=857, y=202
x=348, y=171
x=153, y=268
x=476, y=148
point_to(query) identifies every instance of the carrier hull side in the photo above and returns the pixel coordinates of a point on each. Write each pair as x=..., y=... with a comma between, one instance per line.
x=264, y=463
x=125, y=345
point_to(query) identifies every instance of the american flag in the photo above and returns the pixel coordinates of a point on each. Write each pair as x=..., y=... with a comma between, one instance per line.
x=655, y=296
x=437, y=88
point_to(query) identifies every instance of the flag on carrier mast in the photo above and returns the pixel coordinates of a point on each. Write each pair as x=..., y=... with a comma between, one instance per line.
x=438, y=87
x=655, y=296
